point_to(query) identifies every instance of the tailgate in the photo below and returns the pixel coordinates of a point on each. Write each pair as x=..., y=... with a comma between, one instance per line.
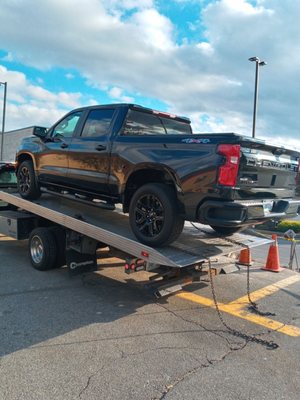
x=266, y=171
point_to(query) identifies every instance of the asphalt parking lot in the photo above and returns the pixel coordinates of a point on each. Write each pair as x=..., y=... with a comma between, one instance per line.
x=102, y=336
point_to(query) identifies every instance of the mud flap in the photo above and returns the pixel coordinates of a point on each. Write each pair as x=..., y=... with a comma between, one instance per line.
x=79, y=263
x=80, y=253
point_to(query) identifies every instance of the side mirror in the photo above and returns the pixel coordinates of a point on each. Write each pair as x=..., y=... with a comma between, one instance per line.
x=40, y=132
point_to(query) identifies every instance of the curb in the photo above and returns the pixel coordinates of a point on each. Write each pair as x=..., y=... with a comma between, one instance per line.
x=266, y=232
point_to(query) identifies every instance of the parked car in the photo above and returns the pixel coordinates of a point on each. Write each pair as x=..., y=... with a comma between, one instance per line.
x=8, y=179
x=162, y=173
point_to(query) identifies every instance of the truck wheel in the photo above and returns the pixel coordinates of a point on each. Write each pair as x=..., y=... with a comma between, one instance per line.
x=226, y=230
x=42, y=249
x=60, y=240
x=153, y=215
x=27, y=183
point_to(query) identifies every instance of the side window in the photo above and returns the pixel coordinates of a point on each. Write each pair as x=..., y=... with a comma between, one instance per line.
x=141, y=123
x=67, y=126
x=97, y=123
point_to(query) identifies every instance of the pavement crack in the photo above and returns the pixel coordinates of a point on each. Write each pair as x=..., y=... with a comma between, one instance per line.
x=172, y=385
x=87, y=385
x=209, y=363
x=114, y=338
x=176, y=348
x=204, y=328
x=89, y=379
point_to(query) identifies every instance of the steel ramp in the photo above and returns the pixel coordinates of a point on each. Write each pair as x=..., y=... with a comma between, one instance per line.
x=112, y=228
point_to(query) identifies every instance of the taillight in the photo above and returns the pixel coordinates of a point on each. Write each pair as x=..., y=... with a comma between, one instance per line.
x=229, y=171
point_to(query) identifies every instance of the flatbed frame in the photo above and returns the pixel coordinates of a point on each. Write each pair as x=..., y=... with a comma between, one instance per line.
x=111, y=228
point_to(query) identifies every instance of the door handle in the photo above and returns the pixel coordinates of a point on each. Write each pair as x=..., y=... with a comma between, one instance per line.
x=100, y=147
x=64, y=145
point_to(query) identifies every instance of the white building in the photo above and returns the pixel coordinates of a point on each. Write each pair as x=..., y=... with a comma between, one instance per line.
x=12, y=140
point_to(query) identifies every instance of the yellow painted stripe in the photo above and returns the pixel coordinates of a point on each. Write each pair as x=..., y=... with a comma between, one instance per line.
x=289, y=330
x=265, y=291
x=195, y=298
x=5, y=238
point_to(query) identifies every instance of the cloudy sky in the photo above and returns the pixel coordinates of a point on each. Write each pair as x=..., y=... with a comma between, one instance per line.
x=185, y=56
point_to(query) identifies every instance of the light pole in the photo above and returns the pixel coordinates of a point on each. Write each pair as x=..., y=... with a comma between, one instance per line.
x=258, y=63
x=3, y=118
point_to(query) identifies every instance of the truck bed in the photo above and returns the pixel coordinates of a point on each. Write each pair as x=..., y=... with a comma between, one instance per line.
x=112, y=228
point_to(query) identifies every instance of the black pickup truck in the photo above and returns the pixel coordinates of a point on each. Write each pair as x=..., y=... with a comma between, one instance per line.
x=162, y=173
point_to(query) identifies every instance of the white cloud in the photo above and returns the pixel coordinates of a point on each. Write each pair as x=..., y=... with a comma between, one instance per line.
x=92, y=102
x=127, y=4
x=155, y=29
x=204, y=123
x=118, y=95
x=241, y=7
x=205, y=48
x=30, y=104
x=130, y=45
x=115, y=92
x=22, y=115
x=69, y=76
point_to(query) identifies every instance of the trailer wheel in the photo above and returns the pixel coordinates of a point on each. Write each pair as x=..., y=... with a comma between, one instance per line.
x=226, y=230
x=60, y=240
x=154, y=216
x=27, y=183
x=42, y=249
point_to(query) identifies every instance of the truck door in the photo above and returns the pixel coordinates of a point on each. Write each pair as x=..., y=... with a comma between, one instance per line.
x=89, y=153
x=52, y=163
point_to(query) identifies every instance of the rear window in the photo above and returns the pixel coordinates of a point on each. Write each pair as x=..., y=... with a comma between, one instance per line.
x=141, y=123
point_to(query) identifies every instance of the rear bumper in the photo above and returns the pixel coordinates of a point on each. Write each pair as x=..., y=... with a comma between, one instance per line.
x=239, y=213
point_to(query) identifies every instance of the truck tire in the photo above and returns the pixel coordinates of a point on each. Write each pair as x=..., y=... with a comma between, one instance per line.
x=154, y=216
x=226, y=230
x=60, y=240
x=42, y=249
x=27, y=183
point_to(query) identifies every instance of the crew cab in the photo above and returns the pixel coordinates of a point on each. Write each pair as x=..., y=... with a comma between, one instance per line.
x=159, y=170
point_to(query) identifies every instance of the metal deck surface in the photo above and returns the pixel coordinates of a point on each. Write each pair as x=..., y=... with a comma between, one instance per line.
x=112, y=228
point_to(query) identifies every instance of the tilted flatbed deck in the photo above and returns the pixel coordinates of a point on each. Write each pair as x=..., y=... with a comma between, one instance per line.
x=112, y=228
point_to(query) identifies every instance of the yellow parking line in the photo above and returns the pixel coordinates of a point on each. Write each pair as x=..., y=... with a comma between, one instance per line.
x=195, y=298
x=237, y=311
x=265, y=291
x=4, y=238
x=289, y=330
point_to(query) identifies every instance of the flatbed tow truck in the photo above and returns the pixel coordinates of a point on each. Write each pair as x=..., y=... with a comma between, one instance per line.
x=63, y=231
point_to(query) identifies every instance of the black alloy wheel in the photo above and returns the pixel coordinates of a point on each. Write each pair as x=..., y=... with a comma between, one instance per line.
x=24, y=179
x=149, y=215
x=154, y=216
x=27, y=185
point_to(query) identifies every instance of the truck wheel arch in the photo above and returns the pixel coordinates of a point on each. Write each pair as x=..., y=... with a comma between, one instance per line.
x=23, y=157
x=143, y=176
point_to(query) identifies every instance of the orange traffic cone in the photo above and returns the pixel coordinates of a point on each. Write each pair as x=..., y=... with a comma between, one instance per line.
x=245, y=257
x=273, y=263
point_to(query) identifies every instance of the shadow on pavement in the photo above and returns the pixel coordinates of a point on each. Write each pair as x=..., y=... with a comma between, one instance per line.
x=40, y=307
